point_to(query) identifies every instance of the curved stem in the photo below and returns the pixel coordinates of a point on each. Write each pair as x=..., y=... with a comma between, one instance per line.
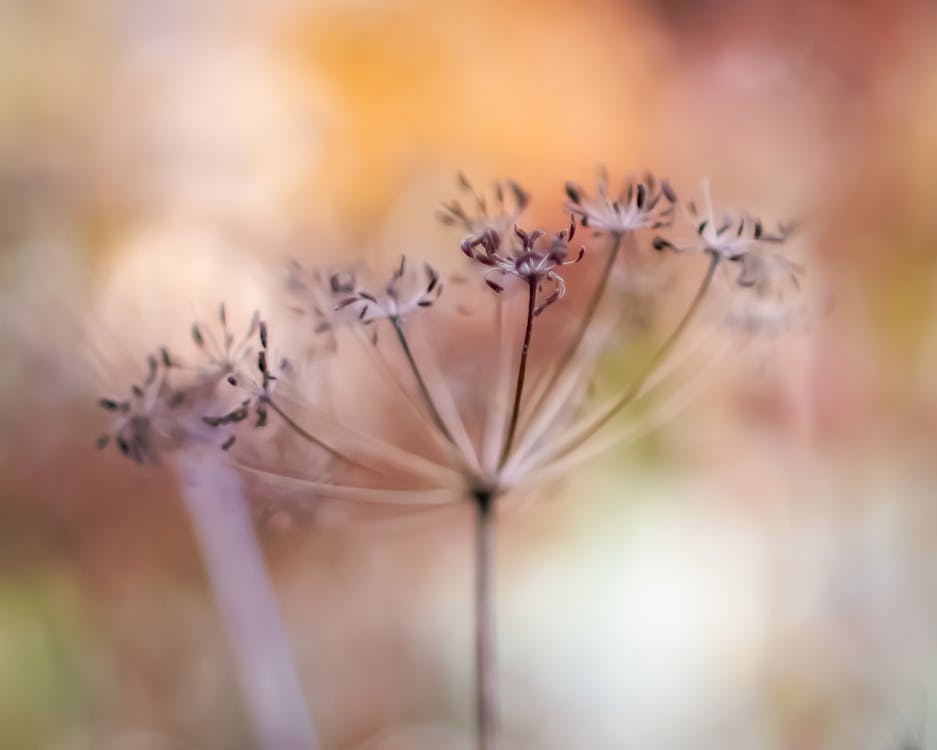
x=629, y=395
x=521, y=372
x=308, y=436
x=424, y=391
x=486, y=701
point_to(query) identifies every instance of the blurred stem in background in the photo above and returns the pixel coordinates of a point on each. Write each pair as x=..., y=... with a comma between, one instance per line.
x=215, y=500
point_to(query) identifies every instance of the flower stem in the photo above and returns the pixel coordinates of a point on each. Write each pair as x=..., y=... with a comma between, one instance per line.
x=265, y=669
x=424, y=391
x=584, y=323
x=308, y=436
x=486, y=701
x=635, y=388
x=521, y=372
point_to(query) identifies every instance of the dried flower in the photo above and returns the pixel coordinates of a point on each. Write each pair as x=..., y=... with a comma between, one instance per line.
x=639, y=205
x=528, y=259
x=488, y=220
x=732, y=238
x=406, y=291
x=162, y=413
x=320, y=293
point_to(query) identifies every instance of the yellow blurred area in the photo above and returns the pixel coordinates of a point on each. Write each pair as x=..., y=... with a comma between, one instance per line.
x=755, y=575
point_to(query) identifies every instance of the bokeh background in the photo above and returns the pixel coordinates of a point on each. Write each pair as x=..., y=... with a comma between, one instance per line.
x=758, y=574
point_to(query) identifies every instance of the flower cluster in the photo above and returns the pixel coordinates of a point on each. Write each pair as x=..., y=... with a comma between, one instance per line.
x=647, y=204
x=527, y=258
x=179, y=404
x=486, y=221
x=483, y=445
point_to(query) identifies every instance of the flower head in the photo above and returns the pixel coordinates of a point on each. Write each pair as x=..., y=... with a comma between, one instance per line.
x=320, y=294
x=487, y=221
x=639, y=205
x=408, y=289
x=531, y=257
x=177, y=403
x=732, y=238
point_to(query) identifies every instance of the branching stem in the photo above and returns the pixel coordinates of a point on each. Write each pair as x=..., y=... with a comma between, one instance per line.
x=629, y=395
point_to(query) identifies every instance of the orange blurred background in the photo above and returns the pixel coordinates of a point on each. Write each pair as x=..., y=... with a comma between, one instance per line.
x=757, y=574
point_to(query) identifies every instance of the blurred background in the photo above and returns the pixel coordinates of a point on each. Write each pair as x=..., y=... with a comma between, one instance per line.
x=758, y=574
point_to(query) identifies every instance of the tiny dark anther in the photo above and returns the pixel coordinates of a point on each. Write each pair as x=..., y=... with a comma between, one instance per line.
x=261, y=417
x=232, y=380
x=758, y=230
x=262, y=361
x=123, y=445
x=641, y=195
x=197, y=336
x=368, y=296
x=572, y=228
x=164, y=352
x=213, y=421
x=494, y=285
x=228, y=443
x=668, y=192
x=364, y=311
x=137, y=391
x=702, y=226
x=102, y=441
x=263, y=334
x=109, y=404
x=402, y=267
x=463, y=181
x=573, y=193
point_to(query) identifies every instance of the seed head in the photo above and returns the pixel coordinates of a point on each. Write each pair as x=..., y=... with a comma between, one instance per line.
x=639, y=205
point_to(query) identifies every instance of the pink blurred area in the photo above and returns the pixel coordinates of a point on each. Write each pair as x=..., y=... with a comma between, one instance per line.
x=757, y=574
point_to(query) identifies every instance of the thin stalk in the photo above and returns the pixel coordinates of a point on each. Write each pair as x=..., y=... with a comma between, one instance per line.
x=263, y=661
x=521, y=372
x=597, y=295
x=308, y=436
x=486, y=699
x=424, y=391
x=629, y=395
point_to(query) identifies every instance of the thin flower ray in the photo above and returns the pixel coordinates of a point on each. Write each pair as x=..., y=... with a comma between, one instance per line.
x=537, y=469
x=368, y=495
x=373, y=452
x=441, y=393
x=392, y=375
x=496, y=416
